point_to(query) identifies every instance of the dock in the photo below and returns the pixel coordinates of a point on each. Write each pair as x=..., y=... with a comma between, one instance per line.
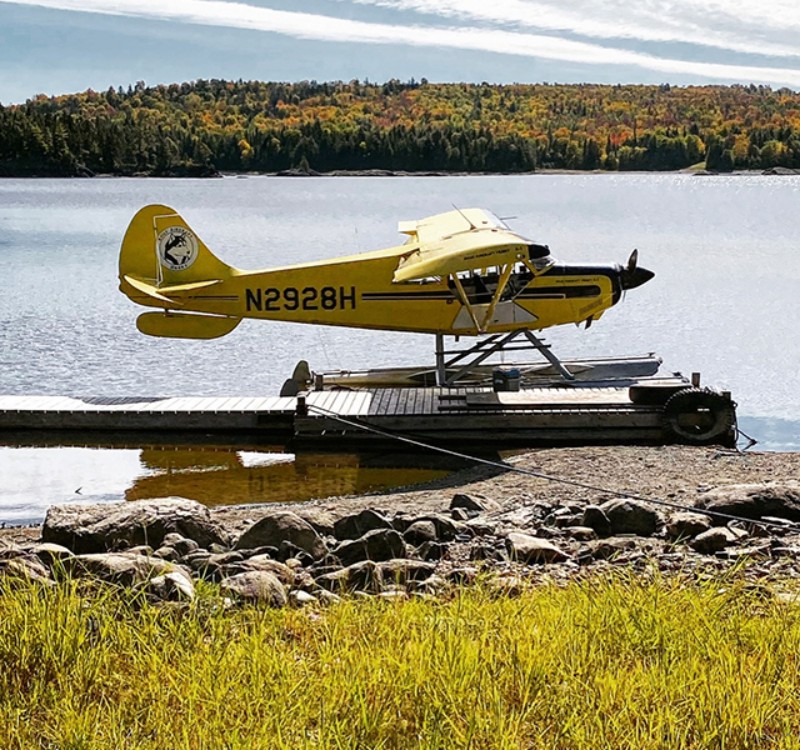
x=650, y=410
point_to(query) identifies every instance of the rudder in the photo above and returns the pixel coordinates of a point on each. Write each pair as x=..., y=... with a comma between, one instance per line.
x=160, y=249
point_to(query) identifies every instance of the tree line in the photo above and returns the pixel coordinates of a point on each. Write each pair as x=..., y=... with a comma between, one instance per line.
x=203, y=127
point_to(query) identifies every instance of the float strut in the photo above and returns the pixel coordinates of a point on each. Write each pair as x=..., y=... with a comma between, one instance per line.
x=544, y=349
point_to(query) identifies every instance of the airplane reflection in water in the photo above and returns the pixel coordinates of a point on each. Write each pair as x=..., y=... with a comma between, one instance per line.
x=234, y=477
x=35, y=476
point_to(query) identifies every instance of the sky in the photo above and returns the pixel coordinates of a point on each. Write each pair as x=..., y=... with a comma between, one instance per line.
x=62, y=46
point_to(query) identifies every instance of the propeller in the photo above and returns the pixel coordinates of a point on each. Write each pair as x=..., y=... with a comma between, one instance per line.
x=633, y=276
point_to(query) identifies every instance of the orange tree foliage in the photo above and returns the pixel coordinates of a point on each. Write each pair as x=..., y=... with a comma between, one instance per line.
x=206, y=126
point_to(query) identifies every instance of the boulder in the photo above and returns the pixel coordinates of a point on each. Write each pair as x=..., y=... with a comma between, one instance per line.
x=687, y=525
x=420, y=532
x=122, y=568
x=473, y=504
x=283, y=526
x=255, y=587
x=361, y=576
x=175, y=586
x=299, y=598
x=629, y=517
x=379, y=544
x=50, y=554
x=358, y=524
x=713, y=540
x=24, y=568
x=753, y=501
x=321, y=520
x=594, y=518
x=262, y=562
x=530, y=549
x=110, y=526
x=400, y=571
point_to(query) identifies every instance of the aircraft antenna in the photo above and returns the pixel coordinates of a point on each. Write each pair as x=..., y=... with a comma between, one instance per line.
x=465, y=217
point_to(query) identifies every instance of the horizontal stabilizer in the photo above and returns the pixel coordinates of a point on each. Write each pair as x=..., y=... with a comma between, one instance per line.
x=147, y=289
x=185, y=326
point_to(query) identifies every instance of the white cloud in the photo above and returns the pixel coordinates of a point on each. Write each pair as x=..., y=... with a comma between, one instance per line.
x=763, y=28
x=496, y=40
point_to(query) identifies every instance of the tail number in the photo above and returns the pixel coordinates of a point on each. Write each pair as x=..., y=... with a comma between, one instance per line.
x=272, y=299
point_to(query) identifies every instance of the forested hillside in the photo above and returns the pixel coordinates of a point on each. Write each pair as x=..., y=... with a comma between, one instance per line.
x=208, y=126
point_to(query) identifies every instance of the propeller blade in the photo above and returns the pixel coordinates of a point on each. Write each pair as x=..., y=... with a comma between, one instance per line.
x=633, y=261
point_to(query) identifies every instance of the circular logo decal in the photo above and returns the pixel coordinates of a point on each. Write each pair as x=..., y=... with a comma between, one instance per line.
x=177, y=248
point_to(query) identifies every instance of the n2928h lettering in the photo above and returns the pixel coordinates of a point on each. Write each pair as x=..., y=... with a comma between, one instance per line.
x=273, y=299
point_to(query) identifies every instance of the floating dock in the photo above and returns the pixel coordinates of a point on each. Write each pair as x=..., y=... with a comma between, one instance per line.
x=647, y=410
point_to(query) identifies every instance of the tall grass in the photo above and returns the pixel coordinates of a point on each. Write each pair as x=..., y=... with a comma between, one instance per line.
x=615, y=663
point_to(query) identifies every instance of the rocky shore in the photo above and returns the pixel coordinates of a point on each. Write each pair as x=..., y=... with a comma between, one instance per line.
x=505, y=528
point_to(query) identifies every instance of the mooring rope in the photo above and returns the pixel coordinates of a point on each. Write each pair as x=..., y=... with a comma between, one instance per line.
x=538, y=474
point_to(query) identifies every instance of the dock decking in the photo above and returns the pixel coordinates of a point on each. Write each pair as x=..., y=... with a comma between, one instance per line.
x=337, y=419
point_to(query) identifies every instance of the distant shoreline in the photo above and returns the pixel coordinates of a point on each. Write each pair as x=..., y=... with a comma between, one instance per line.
x=770, y=172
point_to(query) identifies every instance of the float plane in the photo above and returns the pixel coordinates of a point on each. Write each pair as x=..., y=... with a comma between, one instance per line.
x=459, y=273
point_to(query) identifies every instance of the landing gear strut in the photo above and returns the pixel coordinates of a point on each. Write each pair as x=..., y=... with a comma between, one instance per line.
x=449, y=371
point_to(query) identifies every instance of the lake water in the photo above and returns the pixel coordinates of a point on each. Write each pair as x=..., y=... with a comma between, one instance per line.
x=724, y=300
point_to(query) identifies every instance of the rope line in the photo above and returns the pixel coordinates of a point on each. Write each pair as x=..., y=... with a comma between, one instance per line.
x=538, y=474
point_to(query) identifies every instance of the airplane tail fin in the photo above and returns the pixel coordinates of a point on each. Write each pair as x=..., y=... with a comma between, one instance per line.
x=163, y=263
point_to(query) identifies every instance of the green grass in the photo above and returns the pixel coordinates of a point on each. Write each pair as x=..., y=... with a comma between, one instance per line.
x=618, y=663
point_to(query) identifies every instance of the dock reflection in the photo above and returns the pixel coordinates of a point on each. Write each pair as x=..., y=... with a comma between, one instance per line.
x=35, y=474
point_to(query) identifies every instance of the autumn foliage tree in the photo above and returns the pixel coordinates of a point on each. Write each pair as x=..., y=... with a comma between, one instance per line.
x=209, y=126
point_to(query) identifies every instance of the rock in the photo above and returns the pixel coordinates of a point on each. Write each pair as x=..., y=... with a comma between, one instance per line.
x=358, y=524
x=167, y=553
x=607, y=549
x=594, y=518
x=99, y=528
x=581, y=533
x=461, y=576
x=321, y=521
x=361, y=576
x=327, y=598
x=280, y=570
x=420, y=532
x=530, y=549
x=379, y=544
x=713, y=540
x=753, y=501
x=122, y=568
x=459, y=514
x=180, y=544
x=10, y=551
x=299, y=598
x=175, y=586
x=472, y=503
x=50, y=554
x=401, y=571
x=430, y=551
x=256, y=587
x=24, y=568
x=283, y=526
x=630, y=517
x=687, y=525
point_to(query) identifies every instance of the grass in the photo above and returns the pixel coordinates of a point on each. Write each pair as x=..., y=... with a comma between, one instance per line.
x=604, y=663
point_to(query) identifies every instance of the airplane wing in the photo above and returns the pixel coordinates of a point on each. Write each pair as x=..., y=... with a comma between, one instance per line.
x=457, y=241
x=441, y=226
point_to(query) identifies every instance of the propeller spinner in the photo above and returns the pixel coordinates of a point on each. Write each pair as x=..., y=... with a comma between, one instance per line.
x=633, y=276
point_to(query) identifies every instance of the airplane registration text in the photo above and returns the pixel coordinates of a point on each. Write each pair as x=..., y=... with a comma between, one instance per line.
x=273, y=299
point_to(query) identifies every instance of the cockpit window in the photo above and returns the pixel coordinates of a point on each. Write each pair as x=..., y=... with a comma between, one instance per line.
x=536, y=251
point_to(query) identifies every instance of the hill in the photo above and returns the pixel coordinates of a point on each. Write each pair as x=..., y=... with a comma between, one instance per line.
x=203, y=127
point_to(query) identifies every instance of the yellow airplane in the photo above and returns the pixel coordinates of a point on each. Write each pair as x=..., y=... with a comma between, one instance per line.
x=460, y=273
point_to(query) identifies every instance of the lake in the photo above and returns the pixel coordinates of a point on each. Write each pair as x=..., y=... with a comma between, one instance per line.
x=724, y=300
